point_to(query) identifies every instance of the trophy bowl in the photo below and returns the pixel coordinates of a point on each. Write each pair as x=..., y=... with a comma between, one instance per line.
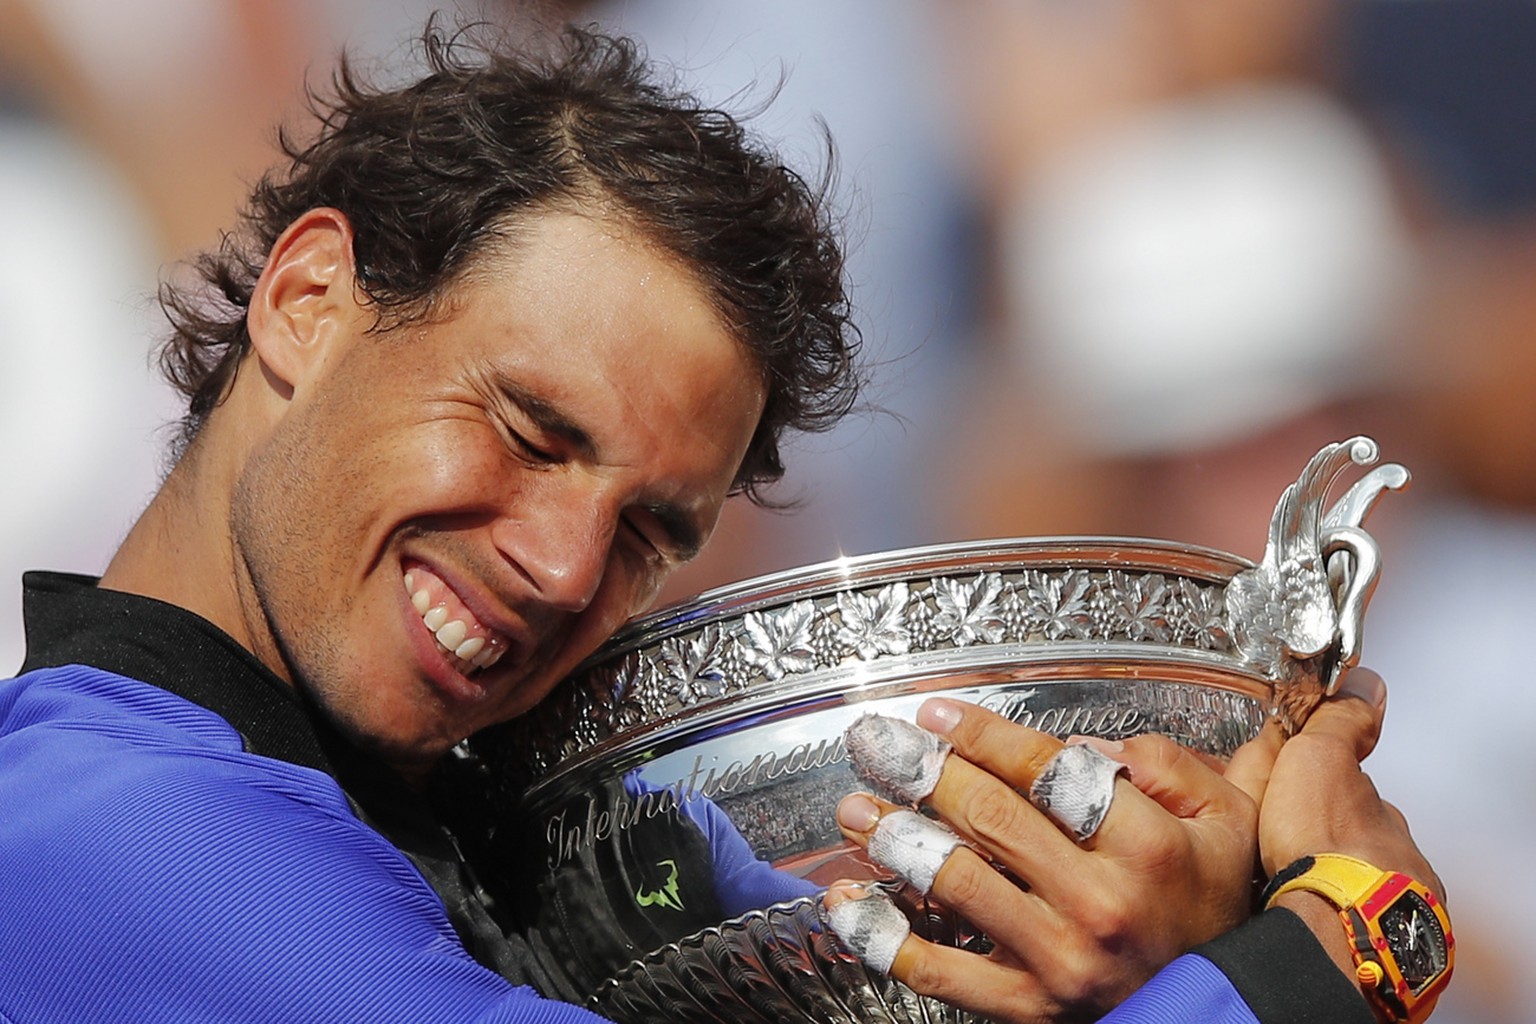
x=665, y=820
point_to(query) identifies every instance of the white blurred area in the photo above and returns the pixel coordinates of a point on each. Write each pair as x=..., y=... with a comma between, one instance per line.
x=1205, y=269
x=1122, y=265
x=79, y=405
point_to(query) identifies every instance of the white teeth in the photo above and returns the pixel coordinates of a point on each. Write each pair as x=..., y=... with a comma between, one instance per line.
x=452, y=634
x=473, y=653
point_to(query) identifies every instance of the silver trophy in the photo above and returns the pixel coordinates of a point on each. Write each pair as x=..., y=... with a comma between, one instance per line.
x=717, y=725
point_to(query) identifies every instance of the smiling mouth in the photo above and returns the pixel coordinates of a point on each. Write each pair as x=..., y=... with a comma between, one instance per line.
x=469, y=647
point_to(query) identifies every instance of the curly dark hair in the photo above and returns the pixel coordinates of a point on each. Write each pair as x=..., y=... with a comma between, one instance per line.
x=432, y=173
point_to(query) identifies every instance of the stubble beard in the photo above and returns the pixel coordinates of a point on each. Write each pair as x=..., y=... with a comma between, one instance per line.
x=272, y=527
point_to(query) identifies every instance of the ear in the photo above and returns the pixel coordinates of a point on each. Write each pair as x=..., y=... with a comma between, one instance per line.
x=304, y=297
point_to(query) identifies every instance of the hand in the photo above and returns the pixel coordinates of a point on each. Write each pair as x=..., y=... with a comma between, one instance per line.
x=1318, y=800
x=1171, y=866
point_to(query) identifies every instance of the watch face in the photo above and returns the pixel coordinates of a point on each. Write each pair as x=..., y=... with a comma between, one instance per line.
x=1417, y=942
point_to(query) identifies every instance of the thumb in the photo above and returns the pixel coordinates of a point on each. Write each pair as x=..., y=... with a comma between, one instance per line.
x=1354, y=714
x=1250, y=765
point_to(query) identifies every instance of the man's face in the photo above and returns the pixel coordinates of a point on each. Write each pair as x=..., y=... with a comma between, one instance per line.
x=448, y=517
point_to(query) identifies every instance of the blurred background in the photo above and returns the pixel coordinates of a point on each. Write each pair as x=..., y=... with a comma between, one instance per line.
x=1121, y=267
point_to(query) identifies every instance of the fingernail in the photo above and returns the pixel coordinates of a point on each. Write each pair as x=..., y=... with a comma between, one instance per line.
x=858, y=813
x=1366, y=685
x=1099, y=743
x=939, y=716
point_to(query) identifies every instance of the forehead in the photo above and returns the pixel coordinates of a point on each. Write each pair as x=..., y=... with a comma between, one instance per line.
x=549, y=248
x=594, y=275
x=587, y=309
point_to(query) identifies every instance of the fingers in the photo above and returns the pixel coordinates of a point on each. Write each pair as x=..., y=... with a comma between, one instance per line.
x=1012, y=752
x=1182, y=818
x=1173, y=776
x=982, y=986
x=1252, y=763
x=1319, y=800
x=932, y=858
x=872, y=927
x=867, y=922
x=1170, y=867
x=977, y=791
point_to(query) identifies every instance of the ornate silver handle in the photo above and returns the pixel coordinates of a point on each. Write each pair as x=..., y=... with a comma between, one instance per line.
x=1299, y=614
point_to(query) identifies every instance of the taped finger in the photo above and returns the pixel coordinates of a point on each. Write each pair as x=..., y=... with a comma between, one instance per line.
x=897, y=758
x=870, y=925
x=913, y=846
x=1076, y=788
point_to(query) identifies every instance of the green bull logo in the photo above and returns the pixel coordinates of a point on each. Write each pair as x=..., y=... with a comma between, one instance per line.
x=667, y=896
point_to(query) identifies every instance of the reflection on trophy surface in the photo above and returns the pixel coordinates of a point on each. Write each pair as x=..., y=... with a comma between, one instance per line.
x=665, y=820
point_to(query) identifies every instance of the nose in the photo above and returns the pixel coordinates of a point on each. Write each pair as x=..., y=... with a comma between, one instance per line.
x=562, y=546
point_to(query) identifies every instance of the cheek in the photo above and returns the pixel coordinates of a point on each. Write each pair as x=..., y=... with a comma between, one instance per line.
x=622, y=595
x=450, y=459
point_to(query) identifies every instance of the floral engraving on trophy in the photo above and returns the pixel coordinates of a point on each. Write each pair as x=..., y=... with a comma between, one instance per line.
x=1025, y=607
x=1198, y=615
x=968, y=611
x=872, y=624
x=1133, y=605
x=780, y=642
x=1060, y=603
x=689, y=668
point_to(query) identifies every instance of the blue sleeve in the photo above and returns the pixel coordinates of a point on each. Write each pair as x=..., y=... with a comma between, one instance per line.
x=1189, y=989
x=1269, y=970
x=147, y=875
x=742, y=881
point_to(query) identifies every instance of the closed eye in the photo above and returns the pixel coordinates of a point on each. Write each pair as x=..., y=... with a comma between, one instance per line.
x=530, y=451
x=667, y=530
x=647, y=546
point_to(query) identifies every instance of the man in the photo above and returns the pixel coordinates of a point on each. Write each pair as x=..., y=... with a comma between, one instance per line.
x=489, y=357
x=492, y=353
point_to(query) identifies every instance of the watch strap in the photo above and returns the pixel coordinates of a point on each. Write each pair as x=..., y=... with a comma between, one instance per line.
x=1361, y=892
x=1341, y=880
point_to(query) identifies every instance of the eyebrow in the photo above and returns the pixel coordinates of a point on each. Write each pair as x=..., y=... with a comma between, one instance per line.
x=547, y=417
x=681, y=529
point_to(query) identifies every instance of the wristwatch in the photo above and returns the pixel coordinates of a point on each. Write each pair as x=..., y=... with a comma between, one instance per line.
x=1400, y=934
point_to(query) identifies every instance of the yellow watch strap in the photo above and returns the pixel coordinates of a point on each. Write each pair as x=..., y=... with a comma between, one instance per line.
x=1341, y=880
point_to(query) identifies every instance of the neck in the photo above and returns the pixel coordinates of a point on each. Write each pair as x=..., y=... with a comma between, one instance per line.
x=180, y=550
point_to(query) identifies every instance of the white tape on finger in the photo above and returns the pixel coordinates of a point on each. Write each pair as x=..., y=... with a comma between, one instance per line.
x=912, y=846
x=873, y=929
x=900, y=760
x=1076, y=788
